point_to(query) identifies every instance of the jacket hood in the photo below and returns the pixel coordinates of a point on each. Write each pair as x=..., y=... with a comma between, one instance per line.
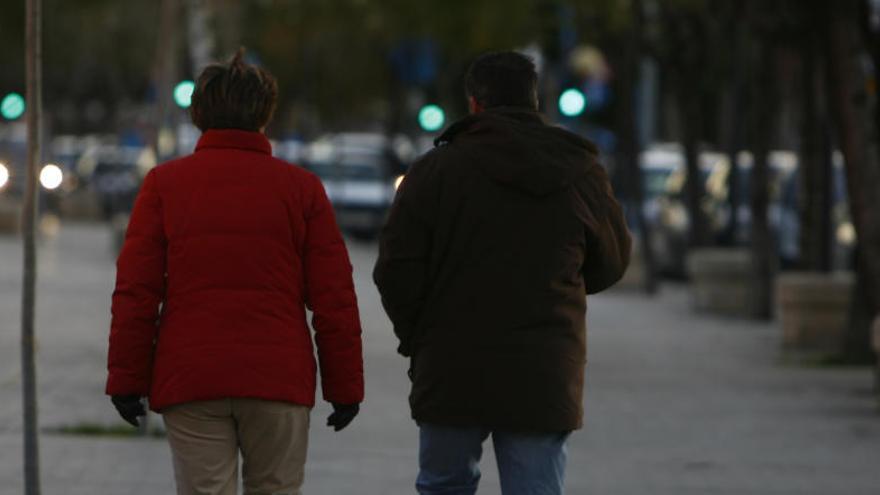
x=517, y=148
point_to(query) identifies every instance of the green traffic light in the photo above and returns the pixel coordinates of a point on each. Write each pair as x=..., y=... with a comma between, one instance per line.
x=183, y=93
x=12, y=106
x=432, y=118
x=572, y=102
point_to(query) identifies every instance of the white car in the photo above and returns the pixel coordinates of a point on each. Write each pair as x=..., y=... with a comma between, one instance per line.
x=360, y=172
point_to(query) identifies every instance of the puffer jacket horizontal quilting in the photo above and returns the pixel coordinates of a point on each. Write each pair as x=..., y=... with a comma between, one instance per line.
x=234, y=245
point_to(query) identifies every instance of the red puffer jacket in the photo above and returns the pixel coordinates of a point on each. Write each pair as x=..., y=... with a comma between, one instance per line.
x=225, y=250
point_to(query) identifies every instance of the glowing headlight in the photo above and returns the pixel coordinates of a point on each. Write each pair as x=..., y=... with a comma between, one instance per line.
x=51, y=176
x=676, y=217
x=4, y=175
x=846, y=234
x=397, y=182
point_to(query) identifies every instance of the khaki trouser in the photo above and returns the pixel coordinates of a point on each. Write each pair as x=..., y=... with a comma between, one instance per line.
x=206, y=437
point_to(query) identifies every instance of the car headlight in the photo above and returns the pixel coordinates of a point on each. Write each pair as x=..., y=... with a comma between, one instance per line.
x=397, y=182
x=676, y=218
x=4, y=175
x=51, y=177
x=846, y=234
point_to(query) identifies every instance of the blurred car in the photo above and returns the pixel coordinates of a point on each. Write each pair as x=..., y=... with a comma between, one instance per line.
x=782, y=170
x=360, y=172
x=290, y=150
x=783, y=210
x=65, y=150
x=670, y=217
x=664, y=176
x=61, y=179
x=114, y=174
x=657, y=164
x=13, y=169
x=674, y=224
x=843, y=239
x=13, y=157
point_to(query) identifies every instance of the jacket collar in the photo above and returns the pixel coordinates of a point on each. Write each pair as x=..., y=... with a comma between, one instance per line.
x=521, y=114
x=235, y=139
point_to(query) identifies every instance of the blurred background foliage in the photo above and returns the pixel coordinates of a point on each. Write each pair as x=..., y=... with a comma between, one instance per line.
x=332, y=57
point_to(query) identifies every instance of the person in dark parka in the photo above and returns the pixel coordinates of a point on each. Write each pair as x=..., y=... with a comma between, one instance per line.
x=494, y=240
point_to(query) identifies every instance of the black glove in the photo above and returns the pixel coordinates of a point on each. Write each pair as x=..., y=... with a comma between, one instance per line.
x=129, y=407
x=342, y=415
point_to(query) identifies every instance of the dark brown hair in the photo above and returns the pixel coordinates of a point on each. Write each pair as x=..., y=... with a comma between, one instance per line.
x=503, y=79
x=234, y=95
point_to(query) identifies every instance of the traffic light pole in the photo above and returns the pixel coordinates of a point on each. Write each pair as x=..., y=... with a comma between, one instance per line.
x=165, y=63
x=33, y=63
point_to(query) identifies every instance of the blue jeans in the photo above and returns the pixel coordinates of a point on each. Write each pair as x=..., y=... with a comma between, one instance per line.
x=528, y=463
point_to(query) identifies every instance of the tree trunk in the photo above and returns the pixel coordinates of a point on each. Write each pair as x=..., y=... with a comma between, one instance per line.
x=734, y=134
x=694, y=185
x=857, y=140
x=629, y=147
x=33, y=64
x=763, y=113
x=815, y=174
x=871, y=36
x=685, y=59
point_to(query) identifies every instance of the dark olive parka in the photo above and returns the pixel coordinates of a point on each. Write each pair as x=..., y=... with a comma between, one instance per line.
x=493, y=242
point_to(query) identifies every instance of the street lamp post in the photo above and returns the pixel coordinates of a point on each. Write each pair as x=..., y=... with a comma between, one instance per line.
x=33, y=63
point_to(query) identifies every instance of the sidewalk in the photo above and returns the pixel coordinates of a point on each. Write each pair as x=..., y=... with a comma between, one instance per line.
x=676, y=403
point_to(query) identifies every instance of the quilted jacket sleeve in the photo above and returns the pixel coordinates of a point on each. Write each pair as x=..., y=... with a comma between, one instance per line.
x=608, y=239
x=401, y=273
x=331, y=298
x=140, y=289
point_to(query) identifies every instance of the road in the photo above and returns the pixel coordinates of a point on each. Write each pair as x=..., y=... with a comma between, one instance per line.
x=676, y=403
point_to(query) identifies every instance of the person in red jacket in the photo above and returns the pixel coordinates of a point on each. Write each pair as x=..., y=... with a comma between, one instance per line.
x=225, y=251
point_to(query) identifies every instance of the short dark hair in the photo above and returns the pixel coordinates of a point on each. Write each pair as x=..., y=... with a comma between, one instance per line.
x=234, y=95
x=503, y=79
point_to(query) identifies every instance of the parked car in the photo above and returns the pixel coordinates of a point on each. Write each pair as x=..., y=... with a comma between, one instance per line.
x=360, y=172
x=664, y=176
x=115, y=173
x=13, y=169
x=669, y=216
x=290, y=150
x=783, y=211
x=843, y=232
x=657, y=165
x=13, y=158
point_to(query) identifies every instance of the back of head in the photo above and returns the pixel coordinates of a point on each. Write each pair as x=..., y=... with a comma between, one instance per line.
x=234, y=95
x=503, y=79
